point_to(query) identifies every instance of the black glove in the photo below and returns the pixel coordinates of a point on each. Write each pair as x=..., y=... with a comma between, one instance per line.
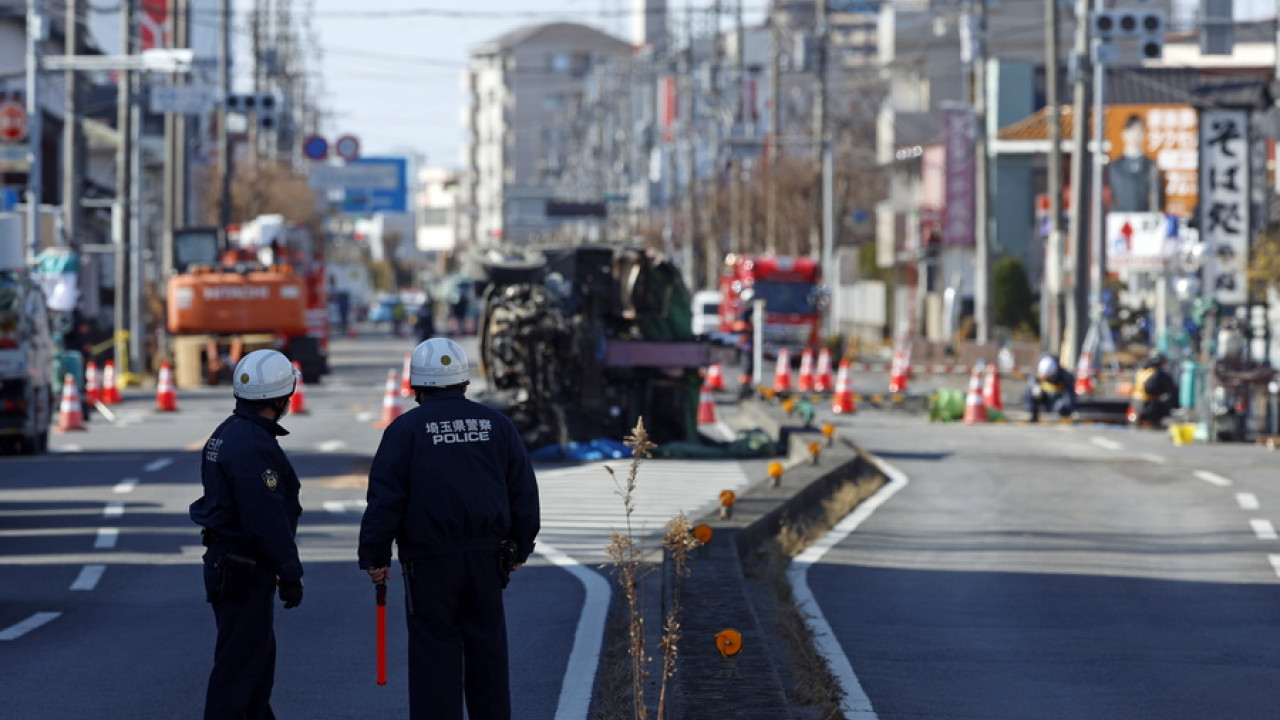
x=291, y=593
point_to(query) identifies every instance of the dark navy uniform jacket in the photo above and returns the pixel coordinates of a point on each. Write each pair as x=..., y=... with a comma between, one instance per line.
x=251, y=491
x=450, y=476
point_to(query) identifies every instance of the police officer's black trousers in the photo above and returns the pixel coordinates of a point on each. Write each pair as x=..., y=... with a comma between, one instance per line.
x=244, y=658
x=458, y=639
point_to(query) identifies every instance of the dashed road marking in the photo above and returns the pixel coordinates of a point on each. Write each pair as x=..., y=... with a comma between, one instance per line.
x=1275, y=563
x=125, y=486
x=1154, y=458
x=113, y=510
x=339, y=507
x=13, y=632
x=89, y=577
x=1106, y=443
x=106, y=539
x=155, y=465
x=1248, y=501
x=329, y=446
x=1212, y=478
x=1263, y=529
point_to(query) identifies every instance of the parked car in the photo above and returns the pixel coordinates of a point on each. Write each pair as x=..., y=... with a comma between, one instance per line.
x=706, y=312
x=384, y=309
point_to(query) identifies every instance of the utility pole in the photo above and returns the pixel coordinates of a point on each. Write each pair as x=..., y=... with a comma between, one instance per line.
x=688, y=134
x=1052, y=287
x=224, y=89
x=36, y=30
x=775, y=127
x=1078, y=310
x=72, y=133
x=124, y=182
x=738, y=213
x=175, y=134
x=821, y=136
x=982, y=198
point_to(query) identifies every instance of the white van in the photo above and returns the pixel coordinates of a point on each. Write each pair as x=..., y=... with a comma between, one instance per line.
x=706, y=312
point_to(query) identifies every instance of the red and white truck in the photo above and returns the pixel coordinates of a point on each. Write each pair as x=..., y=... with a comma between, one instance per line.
x=791, y=290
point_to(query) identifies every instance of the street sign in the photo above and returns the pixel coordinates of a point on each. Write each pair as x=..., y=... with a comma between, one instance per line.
x=347, y=147
x=192, y=99
x=315, y=147
x=389, y=194
x=14, y=158
x=13, y=121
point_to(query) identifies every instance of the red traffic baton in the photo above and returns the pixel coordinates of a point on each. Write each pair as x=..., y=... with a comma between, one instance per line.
x=381, y=591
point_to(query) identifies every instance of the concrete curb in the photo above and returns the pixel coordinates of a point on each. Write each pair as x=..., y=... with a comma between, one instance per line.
x=715, y=594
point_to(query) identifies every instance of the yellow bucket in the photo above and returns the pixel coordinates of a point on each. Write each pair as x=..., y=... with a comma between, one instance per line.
x=1182, y=433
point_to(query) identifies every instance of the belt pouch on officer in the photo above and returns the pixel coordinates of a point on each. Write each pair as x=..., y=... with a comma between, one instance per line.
x=408, y=586
x=234, y=577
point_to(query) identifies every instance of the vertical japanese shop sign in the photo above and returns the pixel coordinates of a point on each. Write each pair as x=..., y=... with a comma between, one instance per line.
x=1225, y=225
x=957, y=212
x=152, y=29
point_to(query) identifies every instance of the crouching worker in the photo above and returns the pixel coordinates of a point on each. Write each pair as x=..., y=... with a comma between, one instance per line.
x=1051, y=389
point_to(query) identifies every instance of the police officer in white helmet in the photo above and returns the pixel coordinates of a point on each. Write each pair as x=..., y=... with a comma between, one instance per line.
x=451, y=484
x=249, y=515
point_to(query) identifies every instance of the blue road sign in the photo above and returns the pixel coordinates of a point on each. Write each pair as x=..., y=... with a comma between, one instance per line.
x=390, y=196
x=315, y=147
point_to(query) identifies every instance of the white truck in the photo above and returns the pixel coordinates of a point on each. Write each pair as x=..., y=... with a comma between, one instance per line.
x=26, y=349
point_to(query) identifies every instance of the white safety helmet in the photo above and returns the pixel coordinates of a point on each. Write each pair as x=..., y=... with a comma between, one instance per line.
x=264, y=375
x=438, y=362
x=1048, y=366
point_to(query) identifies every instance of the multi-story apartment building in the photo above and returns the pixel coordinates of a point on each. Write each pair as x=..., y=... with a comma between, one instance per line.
x=520, y=85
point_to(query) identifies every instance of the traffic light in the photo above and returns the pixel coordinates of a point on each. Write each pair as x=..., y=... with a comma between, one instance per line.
x=1145, y=26
x=263, y=106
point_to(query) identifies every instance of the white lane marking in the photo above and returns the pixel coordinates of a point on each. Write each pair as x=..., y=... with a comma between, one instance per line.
x=1106, y=443
x=1248, y=501
x=856, y=703
x=125, y=486
x=107, y=538
x=73, y=448
x=13, y=632
x=89, y=577
x=155, y=465
x=1263, y=529
x=1212, y=478
x=584, y=658
x=1153, y=458
x=1275, y=563
x=113, y=510
x=329, y=446
x=367, y=416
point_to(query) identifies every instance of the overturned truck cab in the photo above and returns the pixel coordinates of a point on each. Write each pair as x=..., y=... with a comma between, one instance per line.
x=578, y=343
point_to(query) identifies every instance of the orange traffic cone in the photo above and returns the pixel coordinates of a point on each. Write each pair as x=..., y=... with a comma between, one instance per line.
x=390, y=402
x=806, y=371
x=70, y=415
x=1085, y=374
x=842, y=401
x=991, y=388
x=91, y=392
x=405, y=390
x=900, y=368
x=706, y=406
x=298, y=401
x=975, y=411
x=822, y=382
x=782, y=371
x=166, y=395
x=715, y=377
x=110, y=393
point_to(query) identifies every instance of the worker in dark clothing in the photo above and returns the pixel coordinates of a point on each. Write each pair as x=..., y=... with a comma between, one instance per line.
x=1155, y=393
x=452, y=485
x=1052, y=388
x=425, y=322
x=249, y=515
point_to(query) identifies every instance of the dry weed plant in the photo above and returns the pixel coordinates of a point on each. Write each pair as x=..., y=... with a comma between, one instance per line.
x=626, y=557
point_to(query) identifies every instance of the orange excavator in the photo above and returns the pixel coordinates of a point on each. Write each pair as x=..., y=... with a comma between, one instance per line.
x=266, y=290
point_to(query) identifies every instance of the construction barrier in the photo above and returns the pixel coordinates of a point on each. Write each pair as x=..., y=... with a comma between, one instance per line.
x=390, y=402
x=715, y=377
x=805, y=383
x=782, y=372
x=110, y=391
x=991, y=389
x=1085, y=375
x=822, y=379
x=166, y=395
x=842, y=401
x=975, y=410
x=70, y=414
x=92, y=394
x=405, y=390
x=298, y=401
x=706, y=406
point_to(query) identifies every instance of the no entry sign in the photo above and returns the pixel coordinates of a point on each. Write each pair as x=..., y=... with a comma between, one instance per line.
x=13, y=121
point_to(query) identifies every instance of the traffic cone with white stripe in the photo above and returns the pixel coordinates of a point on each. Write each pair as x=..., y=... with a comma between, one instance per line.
x=715, y=377
x=298, y=401
x=822, y=381
x=900, y=368
x=842, y=401
x=70, y=414
x=166, y=395
x=1085, y=375
x=806, y=371
x=91, y=392
x=782, y=371
x=991, y=389
x=975, y=410
x=390, y=402
x=706, y=406
x=405, y=390
x=110, y=392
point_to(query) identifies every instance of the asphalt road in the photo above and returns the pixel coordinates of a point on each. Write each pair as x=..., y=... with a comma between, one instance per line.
x=101, y=600
x=1082, y=572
